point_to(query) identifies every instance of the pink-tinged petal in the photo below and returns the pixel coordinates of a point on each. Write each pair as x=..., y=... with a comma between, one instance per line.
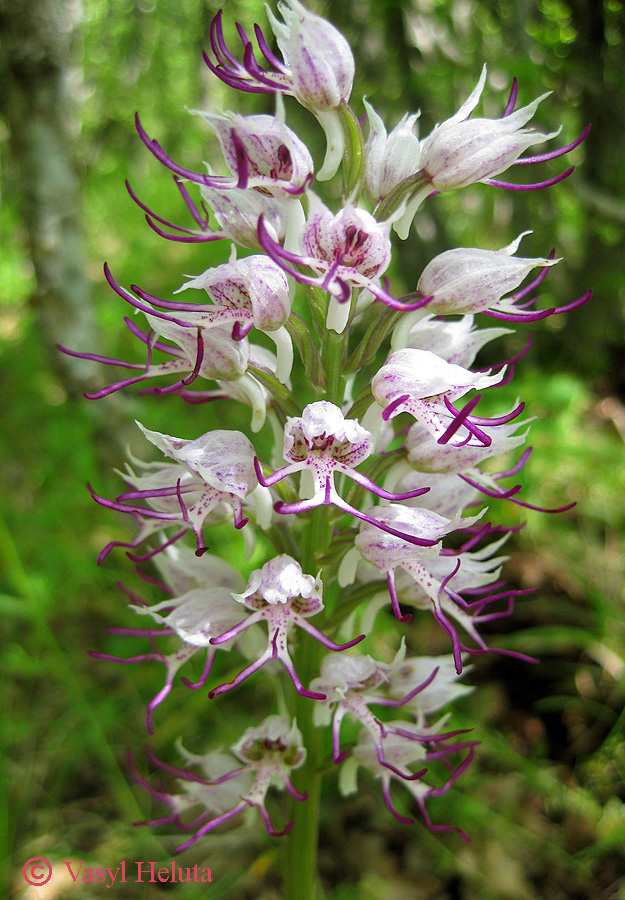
x=319, y=59
x=405, y=776
x=218, y=820
x=269, y=826
x=462, y=151
x=299, y=687
x=549, y=182
x=389, y=804
x=235, y=631
x=172, y=770
x=554, y=154
x=159, y=549
x=405, y=536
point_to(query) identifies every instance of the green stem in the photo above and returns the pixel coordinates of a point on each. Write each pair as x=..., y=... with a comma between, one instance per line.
x=333, y=359
x=300, y=859
x=300, y=856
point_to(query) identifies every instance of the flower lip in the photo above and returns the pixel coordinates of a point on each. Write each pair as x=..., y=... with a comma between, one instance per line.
x=342, y=250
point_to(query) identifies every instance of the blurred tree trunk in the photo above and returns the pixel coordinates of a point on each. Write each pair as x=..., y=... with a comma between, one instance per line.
x=36, y=100
x=599, y=57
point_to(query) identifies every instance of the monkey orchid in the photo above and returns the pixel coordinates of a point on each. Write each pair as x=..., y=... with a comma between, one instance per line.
x=347, y=250
x=421, y=383
x=323, y=442
x=281, y=595
x=268, y=753
x=213, y=469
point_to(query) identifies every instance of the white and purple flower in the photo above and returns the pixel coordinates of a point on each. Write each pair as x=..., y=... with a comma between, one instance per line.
x=422, y=384
x=345, y=251
x=267, y=754
x=207, y=475
x=317, y=68
x=281, y=595
x=323, y=442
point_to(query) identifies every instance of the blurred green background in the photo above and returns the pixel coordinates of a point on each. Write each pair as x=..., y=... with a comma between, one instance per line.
x=544, y=801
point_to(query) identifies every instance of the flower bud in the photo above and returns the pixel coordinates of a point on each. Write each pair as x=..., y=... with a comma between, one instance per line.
x=389, y=158
x=319, y=58
x=468, y=280
x=462, y=151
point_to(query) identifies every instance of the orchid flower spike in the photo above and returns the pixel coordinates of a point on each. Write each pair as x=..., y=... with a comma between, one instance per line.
x=196, y=351
x=456, y=341
x=236, y=210
x=252, y=292
x=438, y=693
x=210, y=341
x=261, y=152
x=462, y=151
